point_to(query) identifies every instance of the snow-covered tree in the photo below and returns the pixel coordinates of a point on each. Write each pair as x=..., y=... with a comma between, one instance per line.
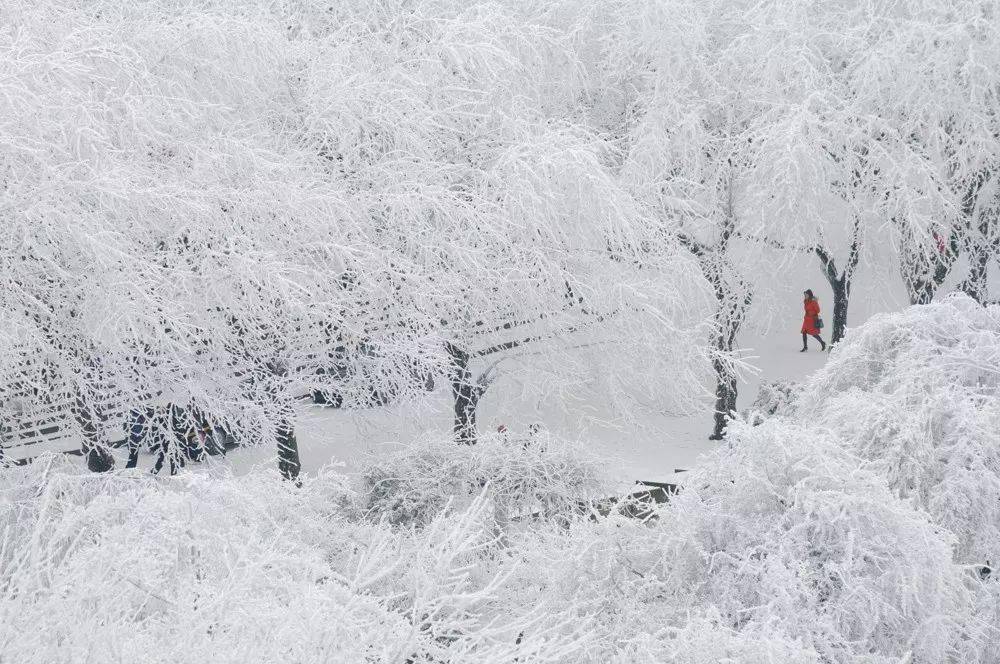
x=837, y=172
x=667, y=94
x=932, y=71
x=165, y=241
x=304, y=200
x=456, y=127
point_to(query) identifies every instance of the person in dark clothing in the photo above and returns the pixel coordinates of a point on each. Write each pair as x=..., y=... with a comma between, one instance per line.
x=811, y=322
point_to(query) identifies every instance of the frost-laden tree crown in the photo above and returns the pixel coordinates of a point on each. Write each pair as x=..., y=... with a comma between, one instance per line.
x=225, y=206
x=222, y=205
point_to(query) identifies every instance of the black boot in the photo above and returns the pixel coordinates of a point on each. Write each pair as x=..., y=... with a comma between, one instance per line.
x=805, y=345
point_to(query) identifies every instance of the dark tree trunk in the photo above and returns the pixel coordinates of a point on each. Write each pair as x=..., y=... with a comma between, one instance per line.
x=725, y=399
x=921, y=288
x=465, y=395
x=99, y=459
x=841, y=298
x=920, y=291
x=289, y=464
x=733, y=298
x=183, y=434
x=840, y=282
x=5, y=431
x=733, y=303
x=162, y=437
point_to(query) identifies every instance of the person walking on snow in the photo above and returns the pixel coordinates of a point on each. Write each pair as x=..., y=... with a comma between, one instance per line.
x=811, y=323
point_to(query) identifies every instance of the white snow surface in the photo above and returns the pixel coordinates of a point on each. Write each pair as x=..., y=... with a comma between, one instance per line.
x=804, y=539
x=656, y=450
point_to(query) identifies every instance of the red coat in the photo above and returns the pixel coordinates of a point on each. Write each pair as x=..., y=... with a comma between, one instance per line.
x=809, y=321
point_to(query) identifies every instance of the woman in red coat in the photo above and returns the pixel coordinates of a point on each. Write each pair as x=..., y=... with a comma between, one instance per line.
x=811, y=323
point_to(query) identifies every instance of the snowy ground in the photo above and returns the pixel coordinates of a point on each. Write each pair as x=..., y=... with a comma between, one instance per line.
x=771, y=343
x=770, y=340
x=665, y=443
x=344, y=437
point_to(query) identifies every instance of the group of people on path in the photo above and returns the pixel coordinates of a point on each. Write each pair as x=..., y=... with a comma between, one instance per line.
x=812, y=323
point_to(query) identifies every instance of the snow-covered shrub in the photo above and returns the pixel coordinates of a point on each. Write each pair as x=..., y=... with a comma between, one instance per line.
x=537, y=474
x=774, y=398
x=213, y=568
x=706, y=640
x=783, y=547
x=787, y=528
x=917, y=394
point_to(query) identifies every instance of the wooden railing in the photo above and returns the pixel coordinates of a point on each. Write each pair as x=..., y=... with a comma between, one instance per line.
x=38, y=417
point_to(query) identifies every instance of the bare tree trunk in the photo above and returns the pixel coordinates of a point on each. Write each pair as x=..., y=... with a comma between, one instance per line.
x=465, y=395
x=99, y=459
x=733, y=298
x=841, y=300
x=5, y=432
x=733, y=303
x=289, y=464
x=140, y=423
x=840, y=282
x=725, y=399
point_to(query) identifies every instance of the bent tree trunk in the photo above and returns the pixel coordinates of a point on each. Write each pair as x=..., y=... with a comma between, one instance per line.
x=840, y=282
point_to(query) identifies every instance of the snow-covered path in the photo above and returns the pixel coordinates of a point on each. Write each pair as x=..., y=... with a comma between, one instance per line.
x=664, y=444
x=770, y=340
x=345, y=437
